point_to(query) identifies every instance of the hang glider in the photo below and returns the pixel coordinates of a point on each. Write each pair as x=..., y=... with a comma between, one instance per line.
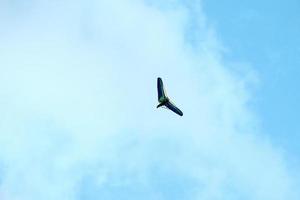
x=164, y=100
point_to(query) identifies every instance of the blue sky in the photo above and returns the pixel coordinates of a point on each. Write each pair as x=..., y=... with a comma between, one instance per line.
x=78, y=100
x=265, y=34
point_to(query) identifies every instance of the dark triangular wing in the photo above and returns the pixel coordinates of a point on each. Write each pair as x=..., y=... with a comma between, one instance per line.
x=172, y=107
x=160, y=90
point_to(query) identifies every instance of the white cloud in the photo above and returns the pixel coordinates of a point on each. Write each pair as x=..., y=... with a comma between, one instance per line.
x=78, y=97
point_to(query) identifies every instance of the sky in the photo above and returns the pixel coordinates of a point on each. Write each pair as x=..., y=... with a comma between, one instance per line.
x=265, y=34
x=78, y=100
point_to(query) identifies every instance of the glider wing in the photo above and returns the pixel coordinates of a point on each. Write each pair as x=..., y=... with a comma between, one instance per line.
x=172, y=107
x=160, y=90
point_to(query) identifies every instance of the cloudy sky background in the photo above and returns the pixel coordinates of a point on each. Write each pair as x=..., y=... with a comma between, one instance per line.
x=78, y=97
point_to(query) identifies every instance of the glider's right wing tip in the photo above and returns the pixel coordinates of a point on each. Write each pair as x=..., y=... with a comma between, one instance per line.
x=160, y=89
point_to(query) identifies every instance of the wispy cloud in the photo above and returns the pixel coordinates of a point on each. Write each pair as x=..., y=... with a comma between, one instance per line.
x=78, y=117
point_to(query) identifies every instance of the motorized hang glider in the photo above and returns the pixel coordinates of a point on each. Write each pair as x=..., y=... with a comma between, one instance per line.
x=164, y=100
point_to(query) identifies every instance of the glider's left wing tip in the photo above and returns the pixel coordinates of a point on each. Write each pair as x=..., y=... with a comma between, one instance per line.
x=180, y=113
x=172, y=107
